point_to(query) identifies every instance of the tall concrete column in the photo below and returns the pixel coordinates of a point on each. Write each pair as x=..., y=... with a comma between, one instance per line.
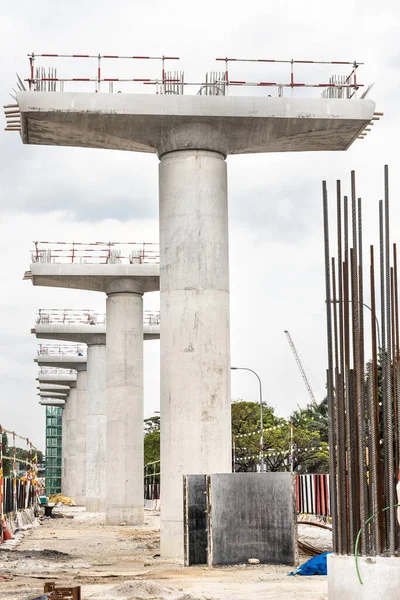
x=194, y=335
x=80, y=440
x=96, y=428
x=124, y=405
x=70, y=457
x=64, y=449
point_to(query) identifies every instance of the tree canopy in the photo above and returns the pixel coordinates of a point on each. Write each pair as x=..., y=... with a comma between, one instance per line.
x=308, y=426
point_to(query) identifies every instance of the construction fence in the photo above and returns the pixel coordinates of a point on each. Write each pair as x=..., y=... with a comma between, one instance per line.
x=18, y=494
x=312, y=491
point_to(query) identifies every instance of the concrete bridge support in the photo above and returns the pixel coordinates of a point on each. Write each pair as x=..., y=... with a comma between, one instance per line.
x=96, y=428
x=124, y=403
x=194, y=336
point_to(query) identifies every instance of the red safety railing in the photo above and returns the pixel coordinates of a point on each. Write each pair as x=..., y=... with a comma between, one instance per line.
x=61, y=349
x=96, y=252
x=39, y=81
x=57, y=316
x=215, y=83
x=346, y=86
x=55, y=371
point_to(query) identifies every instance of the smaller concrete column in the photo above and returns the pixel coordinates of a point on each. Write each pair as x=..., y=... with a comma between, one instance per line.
x=79, y=464
x=96, y=428
x=64, y=449
x=124, y=406
x=69, y=455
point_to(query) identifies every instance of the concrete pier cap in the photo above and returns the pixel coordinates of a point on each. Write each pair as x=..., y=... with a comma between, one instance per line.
x=52, y=402
x=139, y=122
x=78, y=363
x=53, y=394
x=68, y=379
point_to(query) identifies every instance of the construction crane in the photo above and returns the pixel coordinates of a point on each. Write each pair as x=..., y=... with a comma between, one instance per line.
x=303, y=374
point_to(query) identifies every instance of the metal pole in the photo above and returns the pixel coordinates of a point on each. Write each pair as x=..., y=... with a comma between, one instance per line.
x=388, y=386
x=348, y=388
x=340, y=497
x=261, y=415
x=291, y=446
x=341, y=378
x=364, y=509
x=375, y=462
x=331, y=399
x=383, y=362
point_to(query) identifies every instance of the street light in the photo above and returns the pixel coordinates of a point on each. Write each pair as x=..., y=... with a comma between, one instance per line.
x=261, y=414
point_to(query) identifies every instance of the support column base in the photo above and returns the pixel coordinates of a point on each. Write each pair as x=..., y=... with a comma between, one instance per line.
x=95, y=504
x=172, y=539
x=380, y=577
x=128, y=515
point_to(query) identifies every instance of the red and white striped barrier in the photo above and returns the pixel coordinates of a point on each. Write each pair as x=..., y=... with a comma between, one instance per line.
x=312, y=495
x=60, y=349
x=96, y=252
x=57, y=316
x=173, y=82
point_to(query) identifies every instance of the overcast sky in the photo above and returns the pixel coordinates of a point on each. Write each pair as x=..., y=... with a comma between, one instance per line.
x=276, y=244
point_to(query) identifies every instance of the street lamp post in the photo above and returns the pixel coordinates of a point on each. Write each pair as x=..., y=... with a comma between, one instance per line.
x=261, y=414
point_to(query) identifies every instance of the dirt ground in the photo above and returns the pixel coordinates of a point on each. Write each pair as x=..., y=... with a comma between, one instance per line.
x=123, y=563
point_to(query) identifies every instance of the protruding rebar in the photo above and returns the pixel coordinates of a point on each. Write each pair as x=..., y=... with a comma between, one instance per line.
x=375, y=462
x=362, y=406
x=331, y=399
x=351, y=478
x=383, y=359
x=388, y=379
x=373, y=471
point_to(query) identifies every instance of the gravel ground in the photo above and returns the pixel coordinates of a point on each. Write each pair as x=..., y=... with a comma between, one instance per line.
x=123, y=563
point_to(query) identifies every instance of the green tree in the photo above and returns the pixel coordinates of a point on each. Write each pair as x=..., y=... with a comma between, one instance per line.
x=246, y=436
x=151, y=439
x=310, y=427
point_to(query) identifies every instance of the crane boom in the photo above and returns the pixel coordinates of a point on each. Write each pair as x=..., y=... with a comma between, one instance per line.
x=303, y=374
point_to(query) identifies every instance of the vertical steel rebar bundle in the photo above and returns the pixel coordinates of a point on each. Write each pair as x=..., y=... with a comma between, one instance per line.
x=363, y=382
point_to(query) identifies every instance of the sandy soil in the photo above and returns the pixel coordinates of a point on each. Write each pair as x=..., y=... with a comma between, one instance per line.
x=123, y=563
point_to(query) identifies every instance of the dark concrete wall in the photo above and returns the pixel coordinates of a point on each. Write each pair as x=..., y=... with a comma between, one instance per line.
x=195, y=519
x=251, y=515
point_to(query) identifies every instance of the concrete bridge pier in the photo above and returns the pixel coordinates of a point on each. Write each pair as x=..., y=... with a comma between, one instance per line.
x=194, y=335
x=69, y=447
x=124, y=402
x=80, y=439
x=96, y=428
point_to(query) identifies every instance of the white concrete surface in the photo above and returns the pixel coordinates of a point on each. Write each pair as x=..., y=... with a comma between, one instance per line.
x=54, y=387
x=68, y=379
x=79, y=465
x=86, y=334
x=124, y=404
x=68, y=481
x=195, y=344
x=92, y=277
x=96, y=428
x=53, y=394
x=62, y=361
x=52, y=402
x=138, y=122
x=380, y=576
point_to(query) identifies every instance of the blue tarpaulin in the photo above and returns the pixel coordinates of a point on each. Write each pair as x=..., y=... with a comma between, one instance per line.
x=315, y=566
